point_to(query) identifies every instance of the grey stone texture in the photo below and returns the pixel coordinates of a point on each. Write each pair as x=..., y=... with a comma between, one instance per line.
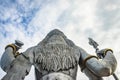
x=57, y=58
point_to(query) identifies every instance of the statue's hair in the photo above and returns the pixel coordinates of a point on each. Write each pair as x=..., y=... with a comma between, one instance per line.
x=55, y=32
x=56, y=57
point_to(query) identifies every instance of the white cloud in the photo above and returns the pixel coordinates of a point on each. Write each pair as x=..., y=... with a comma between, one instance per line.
x=111, y=7
x=86, y=10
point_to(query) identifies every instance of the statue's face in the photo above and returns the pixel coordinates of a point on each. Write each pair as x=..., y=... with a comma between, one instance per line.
x=56, y=39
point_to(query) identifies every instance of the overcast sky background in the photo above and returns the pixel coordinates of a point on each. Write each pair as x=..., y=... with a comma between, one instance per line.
x=30, y=21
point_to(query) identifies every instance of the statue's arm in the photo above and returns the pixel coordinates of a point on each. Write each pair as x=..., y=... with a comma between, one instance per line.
x=6, y=59
x=103, y=67
x=21, y=66
x=91, y=75
x=10, y=53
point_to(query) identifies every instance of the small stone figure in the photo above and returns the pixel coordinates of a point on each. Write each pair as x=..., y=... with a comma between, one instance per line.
x=57, y=58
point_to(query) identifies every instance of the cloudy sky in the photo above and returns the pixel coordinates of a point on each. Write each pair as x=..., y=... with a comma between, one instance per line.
x=30, y=21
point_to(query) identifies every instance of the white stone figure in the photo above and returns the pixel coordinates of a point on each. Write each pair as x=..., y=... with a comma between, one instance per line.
x=57, y=58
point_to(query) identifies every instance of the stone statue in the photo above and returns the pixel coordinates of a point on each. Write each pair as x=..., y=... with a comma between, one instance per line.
x=57, y=58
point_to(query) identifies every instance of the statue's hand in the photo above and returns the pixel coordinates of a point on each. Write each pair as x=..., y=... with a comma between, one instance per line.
x=103, y=52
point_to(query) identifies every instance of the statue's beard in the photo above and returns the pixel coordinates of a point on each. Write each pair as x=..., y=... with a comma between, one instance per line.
x=55, y=57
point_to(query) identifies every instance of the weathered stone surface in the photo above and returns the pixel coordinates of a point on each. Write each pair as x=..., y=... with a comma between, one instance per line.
x=57, y=58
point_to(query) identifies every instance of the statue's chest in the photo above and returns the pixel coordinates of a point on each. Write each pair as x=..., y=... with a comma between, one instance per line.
x=56, y=58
